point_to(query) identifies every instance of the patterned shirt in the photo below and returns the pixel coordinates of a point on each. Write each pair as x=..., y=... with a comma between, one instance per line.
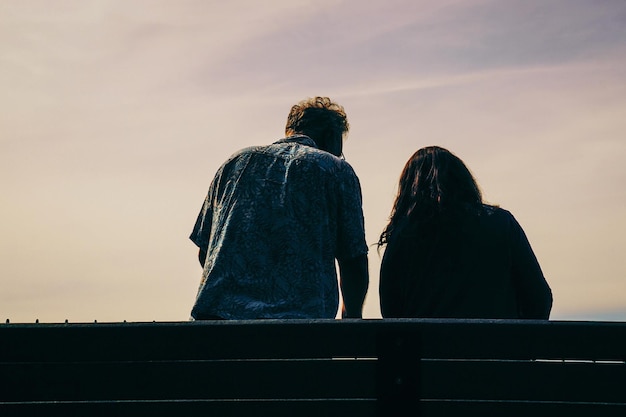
x=274, y=220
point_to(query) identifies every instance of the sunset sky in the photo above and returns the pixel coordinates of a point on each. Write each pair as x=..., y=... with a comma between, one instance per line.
x=115, y=115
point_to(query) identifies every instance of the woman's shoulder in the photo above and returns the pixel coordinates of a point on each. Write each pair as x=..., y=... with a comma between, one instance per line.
x=499, y=218
x=496, y=213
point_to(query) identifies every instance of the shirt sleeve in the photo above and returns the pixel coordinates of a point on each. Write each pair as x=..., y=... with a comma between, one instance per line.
x=350, y=222
x=534, y=296
x=202, y=229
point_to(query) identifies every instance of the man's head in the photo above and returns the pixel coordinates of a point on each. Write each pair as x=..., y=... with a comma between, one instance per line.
x=320, y=119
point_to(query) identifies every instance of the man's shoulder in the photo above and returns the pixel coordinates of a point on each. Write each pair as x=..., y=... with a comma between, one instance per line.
x=238, y=156
x=245, y=151
x=330, y=166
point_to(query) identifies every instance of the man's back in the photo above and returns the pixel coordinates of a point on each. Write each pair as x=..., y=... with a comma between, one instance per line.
x=275, y=219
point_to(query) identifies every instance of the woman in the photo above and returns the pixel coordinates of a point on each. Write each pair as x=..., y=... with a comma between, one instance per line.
x=450, y=255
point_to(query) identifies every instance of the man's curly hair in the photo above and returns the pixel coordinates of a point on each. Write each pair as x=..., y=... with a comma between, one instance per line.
x=320, y=119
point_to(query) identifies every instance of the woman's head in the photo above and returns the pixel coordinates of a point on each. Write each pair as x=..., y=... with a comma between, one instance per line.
x=433, y=181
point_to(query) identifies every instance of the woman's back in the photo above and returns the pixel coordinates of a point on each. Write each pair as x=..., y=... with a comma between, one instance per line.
x=482, y=267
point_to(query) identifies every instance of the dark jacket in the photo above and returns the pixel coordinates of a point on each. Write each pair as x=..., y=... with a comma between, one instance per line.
x=479, y=266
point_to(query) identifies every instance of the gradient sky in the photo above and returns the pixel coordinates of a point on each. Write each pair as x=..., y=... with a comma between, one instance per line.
x=115, y=115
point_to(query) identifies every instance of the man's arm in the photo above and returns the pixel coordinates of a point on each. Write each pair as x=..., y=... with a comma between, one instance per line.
x=354, y=282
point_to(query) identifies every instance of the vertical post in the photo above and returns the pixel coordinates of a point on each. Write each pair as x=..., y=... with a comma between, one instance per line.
x=398, y=373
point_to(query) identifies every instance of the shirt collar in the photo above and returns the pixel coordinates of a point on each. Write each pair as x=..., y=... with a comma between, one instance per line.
x=301, y=139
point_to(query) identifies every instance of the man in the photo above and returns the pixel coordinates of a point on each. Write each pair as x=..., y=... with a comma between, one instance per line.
x=274, y=221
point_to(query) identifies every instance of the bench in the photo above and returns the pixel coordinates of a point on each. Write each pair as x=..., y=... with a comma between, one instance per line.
x=362, y=368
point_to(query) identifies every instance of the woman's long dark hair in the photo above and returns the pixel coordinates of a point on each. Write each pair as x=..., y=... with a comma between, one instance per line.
x=434, y=185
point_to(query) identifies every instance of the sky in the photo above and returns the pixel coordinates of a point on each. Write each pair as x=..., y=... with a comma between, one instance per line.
x=115, y=115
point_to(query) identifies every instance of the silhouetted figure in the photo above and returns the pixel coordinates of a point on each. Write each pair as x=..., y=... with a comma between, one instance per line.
x=449, y=255
x=276, y=218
